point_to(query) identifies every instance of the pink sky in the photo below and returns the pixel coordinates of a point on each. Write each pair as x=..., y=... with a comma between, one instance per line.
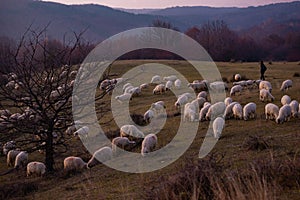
x=171, y=3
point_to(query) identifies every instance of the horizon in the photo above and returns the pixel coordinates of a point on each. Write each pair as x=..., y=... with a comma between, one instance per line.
x=145, y=4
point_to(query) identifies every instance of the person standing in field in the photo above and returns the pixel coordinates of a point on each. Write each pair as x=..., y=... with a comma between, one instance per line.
x=263, y=69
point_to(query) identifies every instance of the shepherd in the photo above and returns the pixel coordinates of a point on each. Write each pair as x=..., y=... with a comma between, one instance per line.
x=263, y=69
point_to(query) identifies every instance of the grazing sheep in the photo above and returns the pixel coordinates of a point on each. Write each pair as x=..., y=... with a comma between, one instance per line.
x=177, y=83
x=37, y=168
x=240, y=83
x=286, y=85
x=182, y=100
x=284, y=114
x=123, y=97
x=294, y=108
x=131, y=130
x=155, y=79
x=249, y=111
x=215, y=110
x=159, y=89
x=265, y=85
x=171, y=78
x=21, y=159
x=83, y=131
x=285, y=100
x=149, y=115
x=144, y=86
x=11, y=156
x=265, y=95
x=136, y=91
x=237, y=77
x=228, y=101
x=218, y=86
x=237, y=111
x=236, y=89
x=202, y=94
x=121, y=142
x=74, y=164
x=198, y=87
x=218, y=126
x=271, y=111
x=104, y=154
x=189, y=112
x=148, y=144
x=204, y=111
x=8, y=146
x=228, y=111
x=158, y=107
x=169, y=85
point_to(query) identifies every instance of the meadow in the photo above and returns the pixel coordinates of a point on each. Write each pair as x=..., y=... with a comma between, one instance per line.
x=257, y=159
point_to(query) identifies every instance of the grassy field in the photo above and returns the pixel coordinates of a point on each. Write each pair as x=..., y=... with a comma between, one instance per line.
x=279, y=143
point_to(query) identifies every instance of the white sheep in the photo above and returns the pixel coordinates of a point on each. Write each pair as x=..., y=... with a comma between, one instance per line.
x=21, y=159
x=228, y=111
x=170, y=78
x=202, y=94
x=218, y=86
x=158, y=107
x=286, y=85
x=236, y=89
x=169, y=85
x=249, y=111
x=37, y=168
x=228, y=101
x=74, y=164
x=198, y=103
x=218, y=126
x=215, y=110
x=241, y=83
x=204, y=111
x=131, y=130
x=265, y=95
x=271, y=111
x=83, y=131
x=237, y=111
x=237, y=77
x=284, y=114
x=159, y=89
x=177, y=83
x=144, y=86
x=181, y=100
x=103, y=154
x=11, y=156
x=121, y=142
x=285, y=99
x=123, y=97
x=148, y=144
x=189, y=112
x=149, y=115
x=294, y=108
x=156, y=79
x=198, y=87
x=265, y=85
x=136, y=91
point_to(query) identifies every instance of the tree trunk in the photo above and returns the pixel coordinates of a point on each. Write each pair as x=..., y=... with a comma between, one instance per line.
x=49, y=152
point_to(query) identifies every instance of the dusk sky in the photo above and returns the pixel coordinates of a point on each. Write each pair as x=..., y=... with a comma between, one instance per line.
x=172, y=3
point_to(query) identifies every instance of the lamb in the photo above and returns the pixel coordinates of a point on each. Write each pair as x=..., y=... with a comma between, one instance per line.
x=124, y=97
x=237, y=77
x=237, y=111
x=284, y=114
x=104, y=154
x=169, y=85
x=265, y=95
x=285, y=100
x=21, y=159
x=131, y=130
x=11, y=156
x=121, y=142
x=265, y=85
x=235, y=89
x=156, y=79
x=204, y=111
x=228, y=111
x=215, y=110
x=37, y=168
x=286, y=85
x=171, y=78
x=294, y=108
x=271, y=111
x=218, y=126
x=74, y=164
x=83, y=131
x=159, y=89
x=177, y=83
x=228, y=101
x=149, y=115
x=148, y=144
x=9, y=146
x=202, y=94
x=249, y=111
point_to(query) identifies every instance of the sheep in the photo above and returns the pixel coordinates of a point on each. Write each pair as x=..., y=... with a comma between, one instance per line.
x=271, y=111
x=136, y=91
x=11, y=156
x=182, y=100
x=237, y=77
x=104, y=154
x=83, y=131
x=235, y=89
x=285, y=99
x=121, y=142
x=228, y=111
x=74, y=164
x=218, y=126
x=144, y=86
x=249, y=111
x=188, y=95
x=265, y=85
x=202, y=94
x=37, y=168
x=177, y=83
x=8, y=146
x=131, y=130
x=158, y=107
x=159, y=89
x=104, y=84
x=265, y=95
x=286, y=85
x=149, y=115
x=284, y=114
x=241, y=83
x=123, y=97
x=198, y=87
x=189, y=112
x=218, y=86
x=21, y=159
x=156, y=79
x=237, y=111
x=204, y=111
x=215, y=110
x=228, y=101
x=148, y=144
x=170, y=78
x=294, y=108
x=168, y=85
